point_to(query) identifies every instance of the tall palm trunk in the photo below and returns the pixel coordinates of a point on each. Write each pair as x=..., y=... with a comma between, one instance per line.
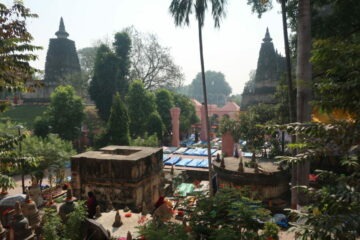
x=206, y=107
x=292, y=112
x=303, y=76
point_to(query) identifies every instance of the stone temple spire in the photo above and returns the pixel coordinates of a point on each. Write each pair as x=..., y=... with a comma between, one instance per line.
x=267, y=37
x=61, y=33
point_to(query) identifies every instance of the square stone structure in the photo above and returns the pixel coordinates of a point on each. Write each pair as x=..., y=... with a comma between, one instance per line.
x=124, y=175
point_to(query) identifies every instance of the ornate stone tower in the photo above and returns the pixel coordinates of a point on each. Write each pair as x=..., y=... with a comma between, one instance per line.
x=270, y=67
x=61, y=59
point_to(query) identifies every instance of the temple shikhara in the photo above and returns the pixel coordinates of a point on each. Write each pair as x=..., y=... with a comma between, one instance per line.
x=270, y=67
x=62, y=63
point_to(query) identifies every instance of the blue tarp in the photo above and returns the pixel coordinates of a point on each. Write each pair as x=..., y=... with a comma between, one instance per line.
x=169, y=149
x=190, y=151
x=183, y=162
x=204, y=163
x=165, y=157
x=199, y=151
x=180, y=150
x=194, y=163
x=172, y=160
x=204, y=152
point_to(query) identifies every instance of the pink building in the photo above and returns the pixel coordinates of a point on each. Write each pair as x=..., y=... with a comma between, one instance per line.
x=230, y=109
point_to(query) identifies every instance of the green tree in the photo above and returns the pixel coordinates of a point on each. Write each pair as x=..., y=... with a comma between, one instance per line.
x=141, y=103
x=16, y=50
x=165, y=231
x=218, y=89
x=74, y=229
x=65, y=112
x=229, y=213
x=78, y=81
x=122, y=45
x=164, y=102
x=155, y=125
x=111, y=73
x=102, y=86
x=187, y=115
x=52, y=224
x=181, y=11
x=87, y=60
x=146, y=141
x=152, y=63
x=118, y=125
x=42, y=126
x=53, y=152
x=333, y=209
x=93, y=123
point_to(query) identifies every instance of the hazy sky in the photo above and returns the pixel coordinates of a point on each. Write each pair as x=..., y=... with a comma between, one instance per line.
x=233, y=49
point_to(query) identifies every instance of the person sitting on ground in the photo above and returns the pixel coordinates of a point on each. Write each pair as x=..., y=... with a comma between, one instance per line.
x=91, y=205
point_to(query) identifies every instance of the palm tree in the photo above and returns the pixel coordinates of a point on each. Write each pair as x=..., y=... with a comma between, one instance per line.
x=181, y=10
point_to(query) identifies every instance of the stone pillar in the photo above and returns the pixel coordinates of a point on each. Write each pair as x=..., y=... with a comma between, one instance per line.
x=203, y=133
x=175, y=117
x=227, y=144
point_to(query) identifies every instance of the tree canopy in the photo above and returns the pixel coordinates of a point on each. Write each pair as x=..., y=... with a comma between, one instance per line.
x=153, y=63
x=164, y=102
x=218, y=89
x=141, y=103
x=65, y=113
x=111, y=73
x=16, y=48
x=118, y=124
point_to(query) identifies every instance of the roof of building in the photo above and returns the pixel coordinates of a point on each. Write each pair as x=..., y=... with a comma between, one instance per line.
x=119, y=153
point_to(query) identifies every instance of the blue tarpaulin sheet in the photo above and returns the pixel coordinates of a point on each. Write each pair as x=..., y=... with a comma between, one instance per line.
x=172, y=160
x=190, y=151
x=199, y=151
x=180, y=150
x=194, y=163
x=165, y=157
x=204, y=163
x=169, y=149
x=183, y=162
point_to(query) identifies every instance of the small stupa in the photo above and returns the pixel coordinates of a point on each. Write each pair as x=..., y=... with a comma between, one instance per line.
x=144, y=210
x=31, y=211
x=50, y=203
x=129, y=236
x=218, y=159
x=241, y=165
x=20, y=228
x=68, y=206
x=117, y=223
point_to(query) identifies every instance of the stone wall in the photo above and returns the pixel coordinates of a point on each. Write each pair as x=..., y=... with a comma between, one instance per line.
x=127, y=180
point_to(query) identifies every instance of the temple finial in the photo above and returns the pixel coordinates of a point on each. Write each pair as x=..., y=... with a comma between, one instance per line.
x=62, y=32
x=267, y=37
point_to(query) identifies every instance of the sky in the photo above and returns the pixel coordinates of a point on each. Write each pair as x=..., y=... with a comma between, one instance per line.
x=232, y=49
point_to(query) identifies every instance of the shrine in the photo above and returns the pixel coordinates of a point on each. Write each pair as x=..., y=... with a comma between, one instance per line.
x=120, y=175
